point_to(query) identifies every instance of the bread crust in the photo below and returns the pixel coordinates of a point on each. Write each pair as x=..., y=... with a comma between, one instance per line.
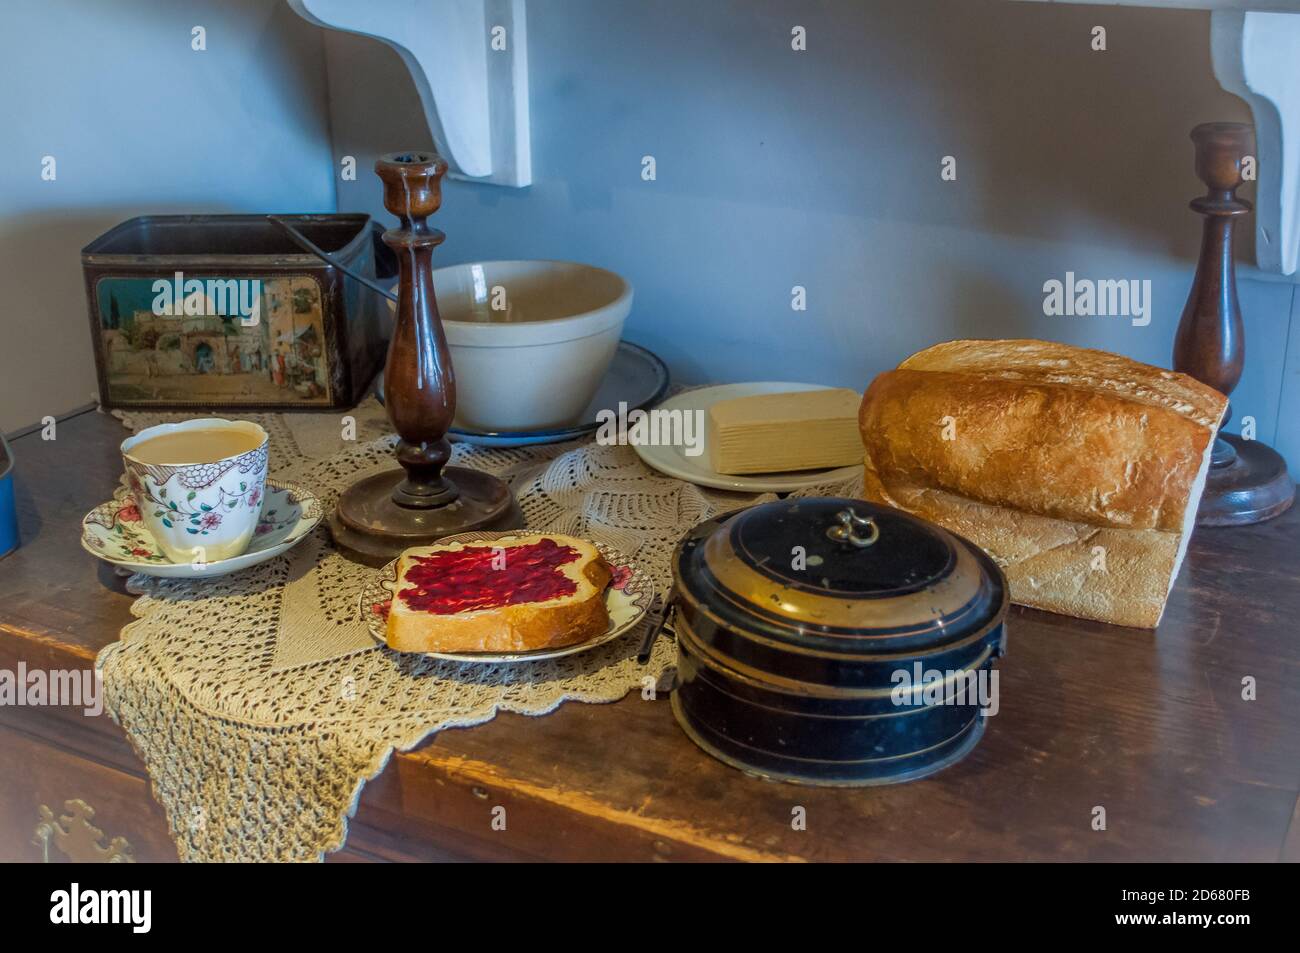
x=1078, y=471
x=1049, y=362
x=1119, y=576
x=1095, y=458
x=512, y=628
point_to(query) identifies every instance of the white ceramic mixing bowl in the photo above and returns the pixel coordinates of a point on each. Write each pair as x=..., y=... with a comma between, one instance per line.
x=530, y=340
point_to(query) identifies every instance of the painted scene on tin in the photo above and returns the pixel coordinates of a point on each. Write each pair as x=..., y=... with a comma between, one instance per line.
x=201, y=349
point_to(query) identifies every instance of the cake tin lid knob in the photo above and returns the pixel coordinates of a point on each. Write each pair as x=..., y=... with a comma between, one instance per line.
x=847, y=525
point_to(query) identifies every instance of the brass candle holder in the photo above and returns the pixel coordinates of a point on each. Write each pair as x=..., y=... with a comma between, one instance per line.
x=379, y=516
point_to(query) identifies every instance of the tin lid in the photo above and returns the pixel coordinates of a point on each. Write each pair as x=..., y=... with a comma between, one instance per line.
x=840, y=576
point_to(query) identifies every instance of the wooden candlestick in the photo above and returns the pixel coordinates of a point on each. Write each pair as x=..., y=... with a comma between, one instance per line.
x=379, y=516
x=1248, y=480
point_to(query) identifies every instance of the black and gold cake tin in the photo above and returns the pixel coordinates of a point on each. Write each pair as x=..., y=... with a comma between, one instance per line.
x=834, y=641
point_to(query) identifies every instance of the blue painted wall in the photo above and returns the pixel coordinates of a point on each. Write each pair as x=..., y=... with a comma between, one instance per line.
x=774, y=169
x=822, y=169
x=137, y=122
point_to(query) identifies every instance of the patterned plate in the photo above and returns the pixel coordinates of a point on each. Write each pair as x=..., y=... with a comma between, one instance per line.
x=628, y=598
x=114, y=533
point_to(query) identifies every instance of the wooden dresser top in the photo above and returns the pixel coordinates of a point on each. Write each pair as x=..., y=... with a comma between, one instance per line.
x=1150, y=726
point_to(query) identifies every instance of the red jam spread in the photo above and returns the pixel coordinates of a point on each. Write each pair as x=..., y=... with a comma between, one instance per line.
x=486, y=577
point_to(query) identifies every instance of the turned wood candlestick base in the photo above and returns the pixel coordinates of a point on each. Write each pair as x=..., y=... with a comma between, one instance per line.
x=371, y=527
x=381, y=515
x=1248, y=480
x=1248, y=483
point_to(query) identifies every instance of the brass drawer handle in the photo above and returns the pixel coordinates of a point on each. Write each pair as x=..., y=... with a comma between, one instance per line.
x=77, y=838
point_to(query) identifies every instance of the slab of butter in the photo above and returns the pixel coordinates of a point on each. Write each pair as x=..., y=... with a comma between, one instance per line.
x=772, y=433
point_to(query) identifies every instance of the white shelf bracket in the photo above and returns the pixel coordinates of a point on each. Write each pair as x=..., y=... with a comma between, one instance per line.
x=469, y=61
x=1257, y=56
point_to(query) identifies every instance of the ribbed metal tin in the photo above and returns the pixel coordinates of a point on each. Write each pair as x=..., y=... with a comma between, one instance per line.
x=803, y=624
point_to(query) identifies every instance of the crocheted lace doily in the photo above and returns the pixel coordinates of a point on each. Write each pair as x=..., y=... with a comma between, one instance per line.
x=261, y=705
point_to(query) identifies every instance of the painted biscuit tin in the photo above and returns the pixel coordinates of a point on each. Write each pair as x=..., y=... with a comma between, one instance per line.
x=225, y=312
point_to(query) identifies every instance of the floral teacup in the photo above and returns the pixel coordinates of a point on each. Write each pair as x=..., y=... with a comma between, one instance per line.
x=202, y=511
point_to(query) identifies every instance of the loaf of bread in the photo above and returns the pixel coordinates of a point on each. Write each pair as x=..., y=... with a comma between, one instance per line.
x=1079, y=471
x=512, y=594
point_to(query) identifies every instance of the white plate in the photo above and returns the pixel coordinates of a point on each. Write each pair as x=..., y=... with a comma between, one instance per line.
x=628, y=598
x=674, y=461
x=113, y=532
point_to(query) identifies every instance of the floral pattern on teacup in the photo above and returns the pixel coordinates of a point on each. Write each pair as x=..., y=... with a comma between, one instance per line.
x=201, y=517
x=116, y=531
x=197, y=476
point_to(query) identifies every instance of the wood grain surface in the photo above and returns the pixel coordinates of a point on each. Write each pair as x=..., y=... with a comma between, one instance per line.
x=1152, y=727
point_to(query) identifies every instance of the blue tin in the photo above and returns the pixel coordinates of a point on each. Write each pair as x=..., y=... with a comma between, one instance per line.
x=8, y=511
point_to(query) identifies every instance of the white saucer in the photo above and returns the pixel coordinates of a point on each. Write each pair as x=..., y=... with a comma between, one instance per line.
x=289, y=513
x=673, y=460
